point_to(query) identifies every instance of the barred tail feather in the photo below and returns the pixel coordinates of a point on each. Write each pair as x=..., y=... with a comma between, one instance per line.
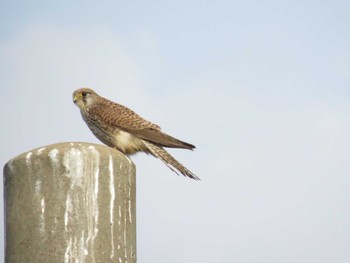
x=169, y=160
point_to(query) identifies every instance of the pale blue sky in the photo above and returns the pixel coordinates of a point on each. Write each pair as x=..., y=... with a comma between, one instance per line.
x=261, y=88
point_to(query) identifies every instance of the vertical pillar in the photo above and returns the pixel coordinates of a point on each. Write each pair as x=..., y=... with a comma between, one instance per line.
x=70, y=202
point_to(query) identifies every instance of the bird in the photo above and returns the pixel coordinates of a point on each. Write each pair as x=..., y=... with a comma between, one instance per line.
x=121, y=128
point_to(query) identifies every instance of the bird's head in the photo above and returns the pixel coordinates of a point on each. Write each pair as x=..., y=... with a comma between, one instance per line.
x=84, y=97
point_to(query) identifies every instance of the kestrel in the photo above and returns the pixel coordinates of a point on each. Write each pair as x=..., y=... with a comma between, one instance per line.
x=119, y=127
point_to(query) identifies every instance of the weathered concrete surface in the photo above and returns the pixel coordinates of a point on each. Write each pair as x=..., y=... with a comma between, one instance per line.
x=70, y=202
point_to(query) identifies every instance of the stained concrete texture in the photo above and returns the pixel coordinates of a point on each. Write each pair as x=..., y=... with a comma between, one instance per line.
x=70, y=202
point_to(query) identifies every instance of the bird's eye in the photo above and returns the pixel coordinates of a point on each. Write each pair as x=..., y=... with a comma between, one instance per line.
x=83, y=94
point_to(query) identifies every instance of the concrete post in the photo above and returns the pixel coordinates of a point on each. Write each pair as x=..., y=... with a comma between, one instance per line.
x=70, y=202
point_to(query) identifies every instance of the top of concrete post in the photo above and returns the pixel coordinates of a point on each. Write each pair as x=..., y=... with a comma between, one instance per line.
x=72, y=150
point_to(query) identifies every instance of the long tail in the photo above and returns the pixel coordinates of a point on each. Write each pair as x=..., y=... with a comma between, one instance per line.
x=170, y=161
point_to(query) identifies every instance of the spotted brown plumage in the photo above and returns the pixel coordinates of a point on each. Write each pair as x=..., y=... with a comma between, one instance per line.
x=119, y=127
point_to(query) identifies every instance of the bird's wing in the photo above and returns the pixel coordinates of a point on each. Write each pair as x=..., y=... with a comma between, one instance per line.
x=159, y=138
x=113, y=114
x=123, y=118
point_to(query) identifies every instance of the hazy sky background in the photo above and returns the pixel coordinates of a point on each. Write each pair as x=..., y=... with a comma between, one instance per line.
x=262, y=89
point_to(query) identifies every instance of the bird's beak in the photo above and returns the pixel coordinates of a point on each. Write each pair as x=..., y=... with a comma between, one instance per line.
x=76, y=97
